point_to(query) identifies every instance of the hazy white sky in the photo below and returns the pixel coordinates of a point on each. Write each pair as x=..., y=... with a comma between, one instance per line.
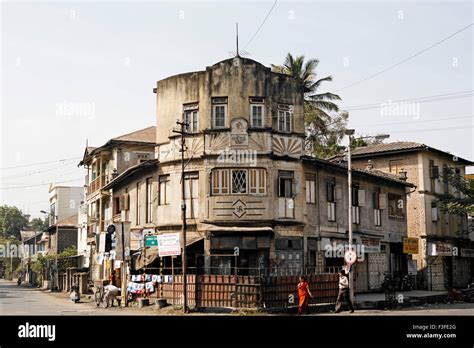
x=73, y=71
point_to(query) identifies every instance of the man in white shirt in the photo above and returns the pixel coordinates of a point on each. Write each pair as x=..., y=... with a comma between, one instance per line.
x=343, y=292
x=111, y=292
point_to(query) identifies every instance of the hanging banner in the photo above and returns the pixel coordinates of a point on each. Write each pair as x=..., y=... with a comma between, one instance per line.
x=169, y=244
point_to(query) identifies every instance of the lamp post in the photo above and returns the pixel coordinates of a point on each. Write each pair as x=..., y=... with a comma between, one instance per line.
x=350, y=133
x=55, y=279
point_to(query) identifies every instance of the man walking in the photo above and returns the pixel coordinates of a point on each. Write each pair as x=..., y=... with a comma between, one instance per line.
x=343, y=292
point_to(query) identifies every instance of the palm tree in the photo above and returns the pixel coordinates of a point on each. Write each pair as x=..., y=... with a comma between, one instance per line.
x=325, y=123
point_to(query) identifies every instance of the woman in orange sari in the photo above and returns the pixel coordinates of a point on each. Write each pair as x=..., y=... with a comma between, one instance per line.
x=304, y=294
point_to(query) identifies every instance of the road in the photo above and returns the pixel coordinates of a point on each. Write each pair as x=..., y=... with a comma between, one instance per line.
x=19, y=300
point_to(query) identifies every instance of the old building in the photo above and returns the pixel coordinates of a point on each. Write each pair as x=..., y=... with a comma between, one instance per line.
x=245, y=126
x=378, y=220
x=253, y=201
x=102, y=165
x=445, y=250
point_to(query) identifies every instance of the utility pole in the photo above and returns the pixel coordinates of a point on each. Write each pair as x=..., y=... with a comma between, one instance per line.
x=183, y=132
x=350, y=132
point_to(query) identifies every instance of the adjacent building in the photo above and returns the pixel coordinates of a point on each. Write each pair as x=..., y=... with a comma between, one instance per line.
x=102, y=165
x=446, y=251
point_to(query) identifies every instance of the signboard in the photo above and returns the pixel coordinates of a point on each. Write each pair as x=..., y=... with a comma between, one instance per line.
x=169, y=244
x=350, y=257
x=410, y=246
x=440, y=249
x=467, y=252
x=151, y=241
x=135, y=240
x=370, y=245
x=412, y=267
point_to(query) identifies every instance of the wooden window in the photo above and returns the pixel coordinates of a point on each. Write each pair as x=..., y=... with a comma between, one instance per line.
x=257, y=111
x=395, y=166
x=285, y=121
x=311, y=189
x=149, y=200
x=191, y=194
x=220, y=182
x=285, y=184
x=434, y=212
x=138, y=205
x=330, y=190
x=239, y=181
x=257, y=181
x=164, y=189
x=395, y=206
x=219, y=112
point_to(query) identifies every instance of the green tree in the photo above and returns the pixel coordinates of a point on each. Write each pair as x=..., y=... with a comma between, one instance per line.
x=38, y=224
x=12, y=221
x=461, y=202
x=324, y=122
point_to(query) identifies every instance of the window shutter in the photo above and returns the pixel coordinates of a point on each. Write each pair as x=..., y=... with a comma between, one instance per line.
x=383, y=201
x=121, y=202
x=434, y=172
x=361, y=197
x=338, y=192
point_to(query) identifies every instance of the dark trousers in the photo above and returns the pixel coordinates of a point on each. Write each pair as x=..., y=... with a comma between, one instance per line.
x=340, y=298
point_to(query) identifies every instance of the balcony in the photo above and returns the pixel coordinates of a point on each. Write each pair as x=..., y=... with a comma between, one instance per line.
x=96, y=184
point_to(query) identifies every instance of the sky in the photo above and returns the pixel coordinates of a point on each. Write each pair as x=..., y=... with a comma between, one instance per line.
x=82, y=71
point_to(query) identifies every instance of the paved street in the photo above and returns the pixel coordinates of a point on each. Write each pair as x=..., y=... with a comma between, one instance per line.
x=19, y=300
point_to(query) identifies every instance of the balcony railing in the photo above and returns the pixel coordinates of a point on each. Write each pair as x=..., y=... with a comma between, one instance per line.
x=96, y=184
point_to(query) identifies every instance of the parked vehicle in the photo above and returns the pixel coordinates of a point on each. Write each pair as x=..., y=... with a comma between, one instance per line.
x=74, y=294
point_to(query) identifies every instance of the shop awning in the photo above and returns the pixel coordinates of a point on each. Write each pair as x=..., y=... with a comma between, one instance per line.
x=215, y=228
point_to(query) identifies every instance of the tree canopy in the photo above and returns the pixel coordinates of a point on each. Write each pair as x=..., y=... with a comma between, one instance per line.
x=325, y=123
x=12, y=221
x=461, y=202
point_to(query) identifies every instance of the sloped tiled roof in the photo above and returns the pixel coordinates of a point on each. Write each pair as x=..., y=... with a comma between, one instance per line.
x=387, y=147
x=374, y=173
x=146, y=135
x=131, y=171
x=394, y=147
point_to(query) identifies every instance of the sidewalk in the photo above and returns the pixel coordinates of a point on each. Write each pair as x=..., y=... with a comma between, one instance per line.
x=403, y=299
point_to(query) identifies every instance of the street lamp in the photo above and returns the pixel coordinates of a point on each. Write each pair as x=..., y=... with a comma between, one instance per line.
x=350, y=133
x=56, y=278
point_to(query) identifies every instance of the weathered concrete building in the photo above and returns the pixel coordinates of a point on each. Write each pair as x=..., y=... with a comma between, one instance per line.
x=246, y=125
x=445, y=250
x=102, y=165
x=249, y=188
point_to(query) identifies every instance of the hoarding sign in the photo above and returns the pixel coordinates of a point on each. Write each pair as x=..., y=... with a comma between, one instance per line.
x=169, y=244
x=410, y=246
x=440, y=249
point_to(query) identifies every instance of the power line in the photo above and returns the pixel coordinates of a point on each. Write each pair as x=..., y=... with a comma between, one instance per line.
x=55, y=167
x=38, y=163
x=261, y=25
x=407, y=59
x=44, y=184
x=427, y=99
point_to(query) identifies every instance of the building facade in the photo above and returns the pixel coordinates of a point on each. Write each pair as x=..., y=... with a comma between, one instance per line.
x=102, y=165
x=445, y=249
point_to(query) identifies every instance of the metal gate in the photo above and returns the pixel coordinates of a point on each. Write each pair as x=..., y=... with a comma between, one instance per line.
x=378, y=266
x=361, y=276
